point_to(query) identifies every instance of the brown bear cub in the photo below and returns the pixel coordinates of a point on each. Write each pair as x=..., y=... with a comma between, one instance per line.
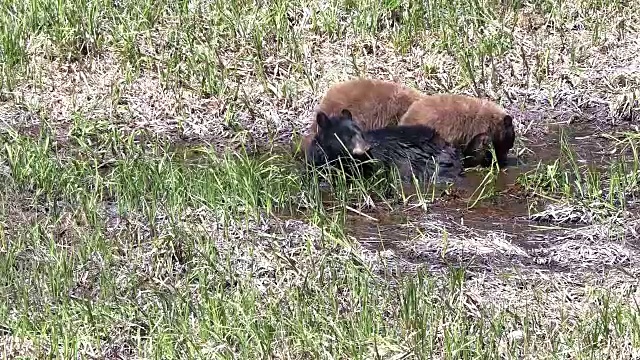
x=413, y=150
x=471, y=124
x=373, y=103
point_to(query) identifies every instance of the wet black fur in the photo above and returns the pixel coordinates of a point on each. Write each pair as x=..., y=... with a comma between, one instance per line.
x=411, y=149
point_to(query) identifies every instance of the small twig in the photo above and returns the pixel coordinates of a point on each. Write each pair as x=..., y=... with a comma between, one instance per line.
x=361, y=213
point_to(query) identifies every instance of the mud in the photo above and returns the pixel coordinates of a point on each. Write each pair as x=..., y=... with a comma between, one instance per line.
x=508, y=210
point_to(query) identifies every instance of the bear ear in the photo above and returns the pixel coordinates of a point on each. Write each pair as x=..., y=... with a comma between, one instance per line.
x=508, y=121
x=322, y=119
x=346, y=114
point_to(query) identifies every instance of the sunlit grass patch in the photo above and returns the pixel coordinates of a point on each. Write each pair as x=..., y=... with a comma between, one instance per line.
x=606, y=189
x=139, y=171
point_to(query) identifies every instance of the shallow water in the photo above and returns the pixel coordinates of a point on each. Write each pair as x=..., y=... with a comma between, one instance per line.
x=507, y=211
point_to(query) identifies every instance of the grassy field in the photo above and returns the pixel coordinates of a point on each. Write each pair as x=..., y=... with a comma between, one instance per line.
x=151, y=206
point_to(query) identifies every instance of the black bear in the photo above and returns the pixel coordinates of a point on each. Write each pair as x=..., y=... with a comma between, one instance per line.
x=414, y=150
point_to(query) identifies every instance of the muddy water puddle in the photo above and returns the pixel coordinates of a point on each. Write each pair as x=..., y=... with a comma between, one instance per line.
x=508, y=211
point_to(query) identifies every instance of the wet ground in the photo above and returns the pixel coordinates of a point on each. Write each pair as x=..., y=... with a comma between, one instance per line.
x=507, y=211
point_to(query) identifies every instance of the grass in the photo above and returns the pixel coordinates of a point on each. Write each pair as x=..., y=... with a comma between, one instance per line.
x=152, y=206
x=605, y=192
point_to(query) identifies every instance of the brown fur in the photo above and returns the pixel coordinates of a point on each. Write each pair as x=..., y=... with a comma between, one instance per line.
x=373, y=103
x=469, y=123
